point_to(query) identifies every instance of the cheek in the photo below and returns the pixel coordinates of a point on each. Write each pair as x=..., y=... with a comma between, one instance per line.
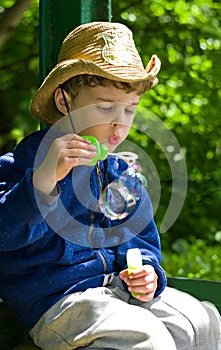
x=124, y=131
x=98, y=131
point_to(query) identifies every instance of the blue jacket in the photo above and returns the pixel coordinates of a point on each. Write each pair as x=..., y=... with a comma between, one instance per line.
x=50, y=247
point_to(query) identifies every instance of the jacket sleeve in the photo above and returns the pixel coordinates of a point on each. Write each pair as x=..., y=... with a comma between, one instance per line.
x=21, y=221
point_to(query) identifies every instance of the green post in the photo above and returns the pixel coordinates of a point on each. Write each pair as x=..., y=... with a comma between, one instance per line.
x=58, y=18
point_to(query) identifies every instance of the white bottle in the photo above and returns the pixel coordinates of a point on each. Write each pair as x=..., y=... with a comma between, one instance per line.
x=134, y=262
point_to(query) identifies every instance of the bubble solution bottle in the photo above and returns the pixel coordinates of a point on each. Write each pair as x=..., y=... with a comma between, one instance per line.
x=134, y=262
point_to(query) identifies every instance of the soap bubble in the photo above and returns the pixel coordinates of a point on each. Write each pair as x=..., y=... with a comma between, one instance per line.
x=121, y=196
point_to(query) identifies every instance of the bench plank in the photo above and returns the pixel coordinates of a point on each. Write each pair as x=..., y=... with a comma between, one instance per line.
x=201, y=289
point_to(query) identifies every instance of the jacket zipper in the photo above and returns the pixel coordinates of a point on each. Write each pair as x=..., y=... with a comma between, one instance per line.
x=98, y=170
x=103, y=260
x=91, y=230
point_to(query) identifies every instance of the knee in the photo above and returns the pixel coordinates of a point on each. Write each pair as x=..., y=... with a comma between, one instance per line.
x=212, y=322
x=198, y=327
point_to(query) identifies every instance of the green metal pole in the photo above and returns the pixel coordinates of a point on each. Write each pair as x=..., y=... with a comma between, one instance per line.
x=58, y=18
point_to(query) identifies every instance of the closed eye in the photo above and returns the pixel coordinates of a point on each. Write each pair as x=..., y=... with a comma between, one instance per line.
x=104, y=109
x=129, y=111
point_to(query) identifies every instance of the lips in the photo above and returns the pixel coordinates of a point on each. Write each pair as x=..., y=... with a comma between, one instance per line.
x=114, y=140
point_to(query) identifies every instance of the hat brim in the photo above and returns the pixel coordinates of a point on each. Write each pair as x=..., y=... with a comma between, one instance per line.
x=43, y=106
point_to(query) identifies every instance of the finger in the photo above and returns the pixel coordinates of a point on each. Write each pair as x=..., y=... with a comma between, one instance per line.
x=67, y=163
x=124, y=275
x=79, y=153
x=80, y=145
x=141, y=295
x=145, y=297
x=73, y=141
x=68, y=137
x=80, y=161
x=144, y=271
x=142, y=281
x=143, y=288
x=69, y=141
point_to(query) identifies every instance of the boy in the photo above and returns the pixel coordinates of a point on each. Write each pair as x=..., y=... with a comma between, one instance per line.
x=63, y=257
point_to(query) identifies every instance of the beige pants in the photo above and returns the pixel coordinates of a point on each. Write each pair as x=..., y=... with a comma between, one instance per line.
x=108, y=318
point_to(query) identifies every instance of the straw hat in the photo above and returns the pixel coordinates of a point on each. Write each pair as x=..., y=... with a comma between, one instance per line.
x=105, y=49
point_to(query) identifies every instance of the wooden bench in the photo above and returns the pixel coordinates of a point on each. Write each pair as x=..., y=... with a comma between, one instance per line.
x=201, y=289
x=13, y=336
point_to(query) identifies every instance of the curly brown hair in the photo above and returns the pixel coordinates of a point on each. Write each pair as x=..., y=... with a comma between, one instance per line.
x=72, y=85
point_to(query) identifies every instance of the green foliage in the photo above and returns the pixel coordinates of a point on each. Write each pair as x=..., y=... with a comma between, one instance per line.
x=19, y=77
x=193, y=260
x=187, y=37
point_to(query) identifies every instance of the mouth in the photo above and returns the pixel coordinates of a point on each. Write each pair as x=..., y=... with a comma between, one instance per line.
x=114, y=140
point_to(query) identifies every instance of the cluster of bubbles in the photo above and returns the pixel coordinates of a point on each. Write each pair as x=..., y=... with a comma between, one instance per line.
x=121, y=196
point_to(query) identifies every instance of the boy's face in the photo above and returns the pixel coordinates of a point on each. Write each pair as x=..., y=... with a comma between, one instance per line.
x=105, y=112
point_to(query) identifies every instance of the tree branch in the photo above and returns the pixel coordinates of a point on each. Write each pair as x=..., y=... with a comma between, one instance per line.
x=11, y=18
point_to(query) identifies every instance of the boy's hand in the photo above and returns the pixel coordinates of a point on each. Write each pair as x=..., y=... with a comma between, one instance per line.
x=65, y=153
x=142, y=282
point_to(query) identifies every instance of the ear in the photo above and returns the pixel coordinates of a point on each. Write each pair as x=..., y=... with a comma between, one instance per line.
x=59, y=101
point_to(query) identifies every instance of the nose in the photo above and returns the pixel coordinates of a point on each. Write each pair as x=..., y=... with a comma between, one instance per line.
x=118, y=121
x=115, y=125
